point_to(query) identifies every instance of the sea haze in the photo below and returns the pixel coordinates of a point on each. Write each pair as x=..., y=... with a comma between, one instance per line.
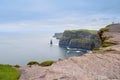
x=20, y=48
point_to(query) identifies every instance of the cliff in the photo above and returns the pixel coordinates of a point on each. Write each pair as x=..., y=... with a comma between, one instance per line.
x=101, y=64
x=57, y=35
x=84, y=39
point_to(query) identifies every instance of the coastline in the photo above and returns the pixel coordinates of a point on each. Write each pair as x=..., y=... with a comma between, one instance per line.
x=100, y=64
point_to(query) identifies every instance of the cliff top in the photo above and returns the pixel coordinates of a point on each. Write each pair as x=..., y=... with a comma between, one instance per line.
x=81, y=30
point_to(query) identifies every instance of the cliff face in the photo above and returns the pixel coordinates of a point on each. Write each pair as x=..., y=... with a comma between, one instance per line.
x=84, y=39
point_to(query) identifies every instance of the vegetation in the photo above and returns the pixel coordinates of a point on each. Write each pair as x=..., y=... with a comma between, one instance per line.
x=7, y=72
x=60, y=59
x=33, y=63
x=68, y=34
x=106, y=38
x=102, y=50
x=107, y=44
x=90, y=31
x=85, y=30
x=65, y=37
x=101, y=31
x=45, y=63
x=82, y=40
x=17, y=66
x=104, y=29
x=74, y=39
x=74, y=34
x=98, y=51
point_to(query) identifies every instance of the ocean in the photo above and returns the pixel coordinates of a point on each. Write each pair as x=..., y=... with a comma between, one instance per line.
x=21, y=48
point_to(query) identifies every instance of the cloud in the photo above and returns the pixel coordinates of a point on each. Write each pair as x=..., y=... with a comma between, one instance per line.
x=62, y=22
x=28, y=15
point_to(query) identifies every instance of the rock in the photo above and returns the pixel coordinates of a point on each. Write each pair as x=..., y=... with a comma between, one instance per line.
x=114, y=28
x=83, y=44
x=114, y=33
x=58, y=35
x=84, y=39
x=64, y=42
x=87, y=67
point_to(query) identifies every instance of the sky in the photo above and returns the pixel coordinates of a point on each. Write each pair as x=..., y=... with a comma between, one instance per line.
x=57, y=15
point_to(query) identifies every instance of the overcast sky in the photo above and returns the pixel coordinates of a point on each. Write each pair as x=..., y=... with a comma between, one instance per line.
x=57, y=15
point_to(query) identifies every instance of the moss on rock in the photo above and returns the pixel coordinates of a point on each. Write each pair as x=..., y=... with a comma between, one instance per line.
x=33, y=63
x=46, y=63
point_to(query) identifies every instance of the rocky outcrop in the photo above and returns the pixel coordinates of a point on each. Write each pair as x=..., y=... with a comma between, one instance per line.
x=86, y=67
x=84, y=39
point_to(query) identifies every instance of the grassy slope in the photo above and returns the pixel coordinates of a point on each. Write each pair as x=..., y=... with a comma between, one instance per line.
x=7, y=72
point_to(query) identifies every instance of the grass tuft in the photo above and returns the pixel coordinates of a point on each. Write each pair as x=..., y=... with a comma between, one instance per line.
x=107, y=44
x=33, y=63
x=104, y=29
x=46, y=63
x=102, y=50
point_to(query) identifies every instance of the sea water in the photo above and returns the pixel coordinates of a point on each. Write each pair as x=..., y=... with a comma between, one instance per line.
x=20, y=48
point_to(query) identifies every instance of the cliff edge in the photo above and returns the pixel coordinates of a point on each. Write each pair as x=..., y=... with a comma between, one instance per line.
x=102, y=64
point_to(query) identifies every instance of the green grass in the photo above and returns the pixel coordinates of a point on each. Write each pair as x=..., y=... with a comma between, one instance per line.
x=82, y=40
x=98, y=51
x=106, y=38
x=45, y=63
x=107, y=44
x=90, y=31
x=7, y=72
x=85, y=30
x=17, y=66
x=33, y=63
x=104, y=29
x=101, y=31
x=102, y=51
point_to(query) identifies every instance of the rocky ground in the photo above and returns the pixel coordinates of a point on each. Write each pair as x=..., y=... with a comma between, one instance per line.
x=87, y=67
x=96, y=66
